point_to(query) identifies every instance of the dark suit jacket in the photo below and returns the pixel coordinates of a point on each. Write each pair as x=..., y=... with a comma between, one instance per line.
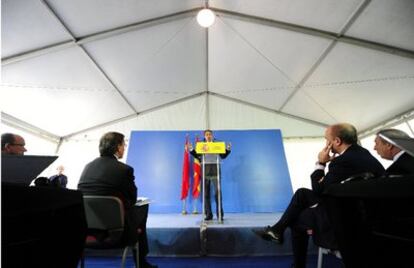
x=59, y=180
x=107, y=176
x=403, y=165
x=354, y=160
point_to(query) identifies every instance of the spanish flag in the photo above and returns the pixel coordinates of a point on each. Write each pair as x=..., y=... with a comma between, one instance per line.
x=185, y=185
x=197, y=176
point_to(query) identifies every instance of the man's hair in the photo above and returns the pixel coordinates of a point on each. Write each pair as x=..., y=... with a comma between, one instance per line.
x=346, y=132
x=207, y=130
x=108, y=145
x=7, y=138
x=392, y=133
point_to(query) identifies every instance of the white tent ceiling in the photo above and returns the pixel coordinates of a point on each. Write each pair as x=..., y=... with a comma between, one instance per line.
x=72, y=66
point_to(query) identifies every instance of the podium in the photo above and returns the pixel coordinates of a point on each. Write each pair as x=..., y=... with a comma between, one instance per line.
x=210, y=155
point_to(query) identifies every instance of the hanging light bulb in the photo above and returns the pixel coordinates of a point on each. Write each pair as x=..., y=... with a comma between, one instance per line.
x=206, y=17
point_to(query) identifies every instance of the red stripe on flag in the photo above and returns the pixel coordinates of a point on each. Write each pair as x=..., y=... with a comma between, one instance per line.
x=185, y=184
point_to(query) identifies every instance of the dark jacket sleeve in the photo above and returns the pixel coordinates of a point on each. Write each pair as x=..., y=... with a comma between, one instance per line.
x=196, y=155
x=335, y=175
x=223, y=156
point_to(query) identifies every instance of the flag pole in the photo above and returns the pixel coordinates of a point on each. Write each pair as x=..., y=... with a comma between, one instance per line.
x=195, y=211
x=184, y=211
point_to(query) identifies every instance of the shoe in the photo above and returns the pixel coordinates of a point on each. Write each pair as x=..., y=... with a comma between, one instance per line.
x=147, y=265
x=208, y=218
x=269, y=235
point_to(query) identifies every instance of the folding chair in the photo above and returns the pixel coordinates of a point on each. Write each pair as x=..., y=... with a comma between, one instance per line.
x=105, y=217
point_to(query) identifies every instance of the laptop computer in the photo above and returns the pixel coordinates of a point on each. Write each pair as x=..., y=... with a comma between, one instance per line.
x=23, y=169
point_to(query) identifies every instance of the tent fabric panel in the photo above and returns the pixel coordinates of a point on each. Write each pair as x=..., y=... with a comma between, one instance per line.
x=387, y=22
x=227, y=114
x=68, y=69
x=109, y=14
x=320, y=14
x=353, y=64
x=155, y=65
x=291, y=52
x=304, y=105
x=62, y=112
x=235, y=67
x=27, y=25
x=361, y=85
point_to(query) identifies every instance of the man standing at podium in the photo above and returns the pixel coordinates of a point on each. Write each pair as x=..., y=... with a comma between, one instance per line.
x=210, y=176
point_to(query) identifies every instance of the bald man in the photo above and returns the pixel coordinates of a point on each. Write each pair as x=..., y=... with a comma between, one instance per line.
x=306, y=211
x=12, y=144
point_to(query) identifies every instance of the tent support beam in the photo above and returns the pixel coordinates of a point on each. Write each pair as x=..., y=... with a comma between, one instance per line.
x=225, y=13
x=134, y=115
x=24, y=126
x=207, y=83
x=316, y=123
x=96, y=36
x=317, y=32
x=322, y=57
x=388, y=123
x=94, y=62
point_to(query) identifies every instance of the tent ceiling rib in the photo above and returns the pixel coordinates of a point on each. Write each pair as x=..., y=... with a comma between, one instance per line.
x=268, y=109
x=76, y=41
x=226, y=13
x=316, y=32
x=298, y=65
x=20, y=124
x=136, y=114
x=94, y=62
x=348, y=24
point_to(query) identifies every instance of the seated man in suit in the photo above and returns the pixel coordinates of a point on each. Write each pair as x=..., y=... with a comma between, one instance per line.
x=362, y=211
x=403, y=163
x=107, y=176
x=306, y=211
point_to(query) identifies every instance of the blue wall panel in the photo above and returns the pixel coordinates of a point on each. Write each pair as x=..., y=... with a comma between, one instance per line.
x=255, y=176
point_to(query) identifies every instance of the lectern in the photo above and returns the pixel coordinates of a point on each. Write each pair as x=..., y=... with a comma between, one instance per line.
x=210, y=152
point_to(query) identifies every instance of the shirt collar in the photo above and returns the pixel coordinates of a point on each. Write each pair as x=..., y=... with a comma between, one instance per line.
x=395, y=158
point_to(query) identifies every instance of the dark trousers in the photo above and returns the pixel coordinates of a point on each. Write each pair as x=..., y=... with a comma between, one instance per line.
x=300, y=217
x=207, y=201
x=136, y=226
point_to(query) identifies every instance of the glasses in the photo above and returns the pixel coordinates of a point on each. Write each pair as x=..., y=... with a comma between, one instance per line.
x=17, y=144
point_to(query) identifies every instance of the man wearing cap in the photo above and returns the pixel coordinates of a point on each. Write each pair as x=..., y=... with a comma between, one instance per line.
x=403, y=163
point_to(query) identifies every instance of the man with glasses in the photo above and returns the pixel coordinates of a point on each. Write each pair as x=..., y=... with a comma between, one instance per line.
x=12, y=144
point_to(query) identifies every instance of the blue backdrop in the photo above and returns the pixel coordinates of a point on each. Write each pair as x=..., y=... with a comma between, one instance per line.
x=255, y=176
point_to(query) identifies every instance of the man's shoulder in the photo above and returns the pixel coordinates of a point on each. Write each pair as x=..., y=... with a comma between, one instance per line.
x=109, y=161
x=355, y=153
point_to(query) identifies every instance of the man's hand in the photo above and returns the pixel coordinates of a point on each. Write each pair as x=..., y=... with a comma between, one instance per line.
x=228, y=146
x=324, y=155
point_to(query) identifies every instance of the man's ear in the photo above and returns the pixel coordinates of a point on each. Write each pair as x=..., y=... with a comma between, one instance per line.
x=6, y=146
x=338, y=141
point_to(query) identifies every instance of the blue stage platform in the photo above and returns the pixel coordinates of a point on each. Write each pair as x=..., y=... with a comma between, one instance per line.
x=185, y=235
x=176, y=235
